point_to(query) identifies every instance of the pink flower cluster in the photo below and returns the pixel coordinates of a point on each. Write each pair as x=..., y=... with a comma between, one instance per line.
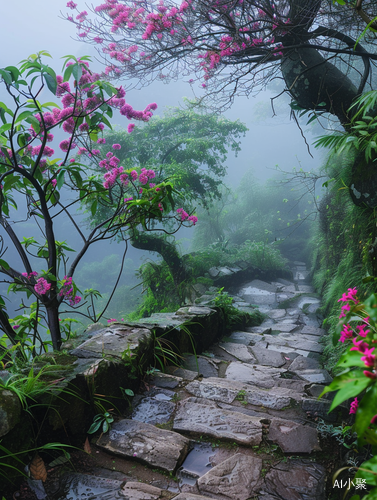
x=185, y=216
x=362, y=331
x=42, y=286
x=67, y=291
x=353, y=406
x=30, y=275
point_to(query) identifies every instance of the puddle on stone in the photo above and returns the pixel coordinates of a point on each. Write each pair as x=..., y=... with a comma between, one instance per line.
x=85, y=487
x=163, y=397
x=155, y=407
x=196, y=464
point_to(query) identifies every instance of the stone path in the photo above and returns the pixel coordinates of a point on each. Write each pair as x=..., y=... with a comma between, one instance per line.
x=241, y=428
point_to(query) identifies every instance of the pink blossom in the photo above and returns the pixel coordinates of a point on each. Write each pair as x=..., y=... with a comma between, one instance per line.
x=64, y=145
x=351, y=295
x=359, y=345
x=42, y=286
x=71, y=5
x=184, y=215
x=54, y=182
x=346, y=333
x=353, y=406
x=193, y=219
x=116, y=146
x=361, y=330
x=130, y=127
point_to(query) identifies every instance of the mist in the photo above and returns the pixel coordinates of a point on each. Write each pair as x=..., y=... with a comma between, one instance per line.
x=273, y=140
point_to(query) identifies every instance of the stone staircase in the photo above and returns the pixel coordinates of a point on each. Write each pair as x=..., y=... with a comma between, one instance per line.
x=236, y=422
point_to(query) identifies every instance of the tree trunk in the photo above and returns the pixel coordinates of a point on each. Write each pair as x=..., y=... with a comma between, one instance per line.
x=53, y=324
x=317, y=84
x=168, y=252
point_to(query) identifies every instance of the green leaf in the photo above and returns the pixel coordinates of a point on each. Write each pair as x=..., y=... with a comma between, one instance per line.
x=77, y=72
x=108, y=89
x=371, y=477
x=6, y=76
x=68, y=73
x=352, y=389
x=60, y=179
x=51, y=82
x=93, y=207
x=94, y=427
x=13, y=71
x=366, y=410
x=129, y=392
x=4, y=264
x=350, y=359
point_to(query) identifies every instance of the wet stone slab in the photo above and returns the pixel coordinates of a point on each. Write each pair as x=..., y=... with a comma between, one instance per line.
x=296, y=342
x=203, y=366
x=226, y=391
x=284, y=327
x=113, y=341
x=260, y=376
x=83, y=486
x=182, y=373
x=277, y=313
x=303, y=363
x=312, y=330
x=239, y=351
x=317, y=376
x=296, y=480
x=149, y=444
x=199, y=419
x=153, y=411
x=293, y=437
x=195, y=464
x=165, y=380
x=235, y=478
x=260, y=297
x=246, y=338
x=268, y=358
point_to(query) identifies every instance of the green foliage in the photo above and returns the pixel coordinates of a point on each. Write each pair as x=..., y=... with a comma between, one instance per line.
x=187, y=145
x=344, y=249
x=103, y=420
x=52, y=189
x=361, y=135
x=357, y=378
x=234, y=318
x=259, y=213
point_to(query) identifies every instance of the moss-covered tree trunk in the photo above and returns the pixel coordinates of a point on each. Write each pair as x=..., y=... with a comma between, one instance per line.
x=167, y=250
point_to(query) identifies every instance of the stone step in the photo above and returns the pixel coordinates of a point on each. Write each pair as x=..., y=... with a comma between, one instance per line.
x=294, y=480
x=262, y=376
x=89, y=486
x=209, y=420
x=296, y=342
x=293, y=437
x=239, y=351
x=227, y=391
x=151, y=445
x=238, y=477
x=268, y=358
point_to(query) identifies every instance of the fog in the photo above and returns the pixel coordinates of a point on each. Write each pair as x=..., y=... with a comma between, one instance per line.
x=270, y=141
